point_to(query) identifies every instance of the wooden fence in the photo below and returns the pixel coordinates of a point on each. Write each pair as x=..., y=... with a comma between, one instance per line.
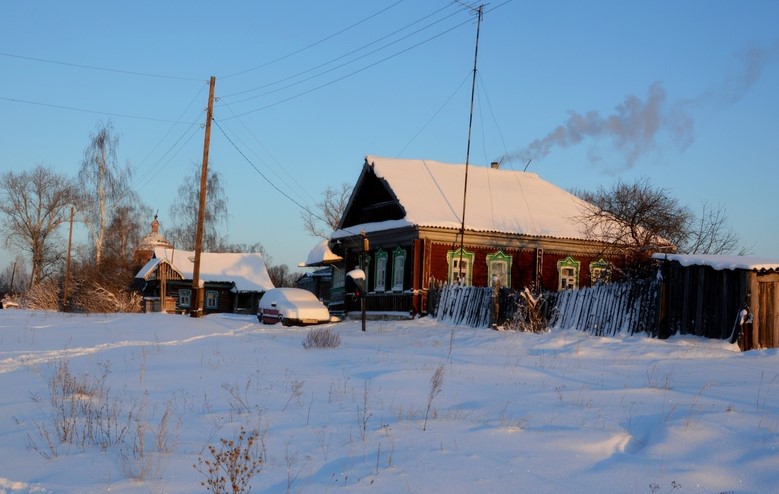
x=628, y=307
x=462, y=305
x=604, y=310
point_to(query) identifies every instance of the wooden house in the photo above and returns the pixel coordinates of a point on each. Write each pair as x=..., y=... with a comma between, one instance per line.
x=232, y=282
x=519, y=230
x=725, y=297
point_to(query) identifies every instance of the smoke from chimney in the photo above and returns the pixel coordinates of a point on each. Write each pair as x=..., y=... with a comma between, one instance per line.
x=635, y=126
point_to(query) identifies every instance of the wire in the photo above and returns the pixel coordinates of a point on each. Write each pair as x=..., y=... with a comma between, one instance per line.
x=105, y=69
x=440, y=109
x=343, y=56
x=278, y=189
x=294, y=201
x=273, y=158
x=321, y=86
x=170, y=129
x=314, y=43
x=95, y=112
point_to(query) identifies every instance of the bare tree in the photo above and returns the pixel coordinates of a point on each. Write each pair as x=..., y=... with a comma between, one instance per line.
x=709, y=233
x=184, y=212
x=125, y=230
x=281, y=276
x=104, y=182
x=634, y=220
x=250, y=248
x=324, y=220
x=34, y=204
x=15, y=277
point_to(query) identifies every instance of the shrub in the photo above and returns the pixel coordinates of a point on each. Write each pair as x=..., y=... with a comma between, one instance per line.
x=321, y=338
x=529, y=315
x=84, y=413
x=234, y=464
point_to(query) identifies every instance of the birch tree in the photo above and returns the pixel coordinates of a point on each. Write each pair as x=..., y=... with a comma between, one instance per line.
x=184, y=212
x=104, y=183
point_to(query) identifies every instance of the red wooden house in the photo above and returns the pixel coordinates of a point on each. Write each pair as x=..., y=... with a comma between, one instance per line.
x=518, y=229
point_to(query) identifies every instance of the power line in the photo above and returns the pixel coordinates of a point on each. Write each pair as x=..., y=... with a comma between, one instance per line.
x=273, y=158
x=467, y=76
x=311, y=90
x=94, y=112
x=343, y=56
x=264, y=177
x=104, y=69
x=278, y=189
x=315, y=43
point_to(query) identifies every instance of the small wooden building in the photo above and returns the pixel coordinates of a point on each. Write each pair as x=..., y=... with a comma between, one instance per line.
x=519, y=230
x=232, y=282
x=724, y=297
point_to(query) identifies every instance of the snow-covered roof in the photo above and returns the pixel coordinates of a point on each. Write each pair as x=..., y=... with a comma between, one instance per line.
x=321, y=255
x=719, y=262
x=505, y=201
x=247, y=270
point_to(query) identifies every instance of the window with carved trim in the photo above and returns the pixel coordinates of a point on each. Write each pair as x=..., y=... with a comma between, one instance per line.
x=381, y=271
x=460, y=264
x=568, y=272
x=185, y=297
x=499, y=269
x=398, y=268
x=600, y=272
x=212, y=299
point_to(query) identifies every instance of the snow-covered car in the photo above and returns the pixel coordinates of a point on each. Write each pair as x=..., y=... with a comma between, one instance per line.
x=291, y=307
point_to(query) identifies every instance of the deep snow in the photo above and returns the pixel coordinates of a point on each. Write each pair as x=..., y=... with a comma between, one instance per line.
x=552, y=413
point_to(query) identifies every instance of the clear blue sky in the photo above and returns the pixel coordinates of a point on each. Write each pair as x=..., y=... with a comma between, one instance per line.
x=684, y=93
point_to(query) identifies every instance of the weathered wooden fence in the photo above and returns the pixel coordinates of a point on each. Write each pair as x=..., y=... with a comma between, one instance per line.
x=628, y=307
x=462, y=305
x=604, y=310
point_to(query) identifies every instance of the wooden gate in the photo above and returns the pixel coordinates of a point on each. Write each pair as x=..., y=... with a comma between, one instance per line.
x=767, y=316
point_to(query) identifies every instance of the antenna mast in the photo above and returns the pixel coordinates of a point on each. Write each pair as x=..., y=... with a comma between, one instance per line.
x=479, y=13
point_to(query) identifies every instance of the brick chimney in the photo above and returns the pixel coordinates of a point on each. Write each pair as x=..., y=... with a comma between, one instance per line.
x=494, y=165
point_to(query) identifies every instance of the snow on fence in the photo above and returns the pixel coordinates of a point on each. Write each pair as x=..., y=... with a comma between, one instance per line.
x=464, y=305
x=603, y=310
x=629, y=307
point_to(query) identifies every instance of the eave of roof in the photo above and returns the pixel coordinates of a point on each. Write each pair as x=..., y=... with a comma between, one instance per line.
x=720, y=262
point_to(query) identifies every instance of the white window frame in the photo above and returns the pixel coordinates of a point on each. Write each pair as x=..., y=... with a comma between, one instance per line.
x=501, y=263
x=568, y=273
x=600, y=271
x=398, y=268
x=453, y=259
x=381, y=271
x=185, y=297
x=213, y=301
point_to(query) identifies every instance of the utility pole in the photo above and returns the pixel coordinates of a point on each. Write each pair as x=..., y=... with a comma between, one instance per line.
x=365, y=249
x=66, y=288
x=196, y=309
x=479, y=13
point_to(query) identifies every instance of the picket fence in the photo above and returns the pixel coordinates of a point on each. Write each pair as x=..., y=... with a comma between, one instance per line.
x=628, y=307
x=463, y=305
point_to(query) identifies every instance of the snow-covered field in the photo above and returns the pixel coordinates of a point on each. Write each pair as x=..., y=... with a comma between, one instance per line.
x=522, y=413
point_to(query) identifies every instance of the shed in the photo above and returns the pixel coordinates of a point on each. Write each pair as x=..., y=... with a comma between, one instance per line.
x=724, y=297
